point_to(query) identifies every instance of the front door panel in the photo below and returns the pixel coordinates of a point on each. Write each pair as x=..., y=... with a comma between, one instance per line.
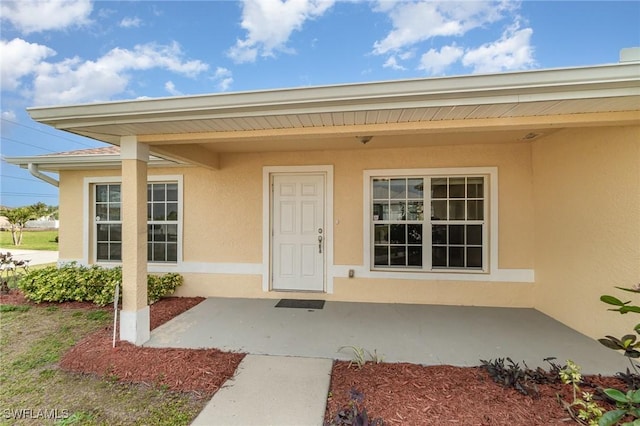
x=297, y=247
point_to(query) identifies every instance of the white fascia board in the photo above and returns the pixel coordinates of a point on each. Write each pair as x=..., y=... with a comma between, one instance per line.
x=79, y=162
x=575, y=83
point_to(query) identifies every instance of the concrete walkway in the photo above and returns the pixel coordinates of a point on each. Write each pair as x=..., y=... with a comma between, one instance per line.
x=36, y=257
x=271, y=390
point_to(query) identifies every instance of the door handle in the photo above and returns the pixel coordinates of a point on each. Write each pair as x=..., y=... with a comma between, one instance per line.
x=319, y=243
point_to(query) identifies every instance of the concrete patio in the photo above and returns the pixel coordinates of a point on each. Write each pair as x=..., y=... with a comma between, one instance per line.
x=421, y=334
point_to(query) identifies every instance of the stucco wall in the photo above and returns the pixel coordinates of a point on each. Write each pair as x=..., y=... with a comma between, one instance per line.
x=233, y=195
x=222, y=221
x=587, y=222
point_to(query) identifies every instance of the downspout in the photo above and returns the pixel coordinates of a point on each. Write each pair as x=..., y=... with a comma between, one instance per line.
x=33, y=169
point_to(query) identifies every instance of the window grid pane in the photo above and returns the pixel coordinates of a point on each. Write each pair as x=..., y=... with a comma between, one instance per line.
x=108, y=229
x=398, y=212
x=456, y=222
x=457, y=217
x=162, y=229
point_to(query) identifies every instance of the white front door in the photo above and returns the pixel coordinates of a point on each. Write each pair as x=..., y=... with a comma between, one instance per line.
x=297, y=244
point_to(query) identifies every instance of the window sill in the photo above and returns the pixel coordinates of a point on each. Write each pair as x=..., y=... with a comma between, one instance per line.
x=493, y=275
x=404, y=270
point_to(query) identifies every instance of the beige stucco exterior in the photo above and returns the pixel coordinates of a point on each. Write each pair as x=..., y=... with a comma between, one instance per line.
x=223, y=222
x=587, y=215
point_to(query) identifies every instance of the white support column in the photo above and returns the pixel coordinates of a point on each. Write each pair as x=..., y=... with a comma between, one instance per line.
x=135, y=325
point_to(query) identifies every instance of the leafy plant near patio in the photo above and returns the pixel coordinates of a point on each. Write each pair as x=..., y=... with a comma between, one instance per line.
x=359, y=357
x=524, y=380
x=589, y=411
x=354, y=413
x=73, y=282
x=628, y=404
x=627, y=343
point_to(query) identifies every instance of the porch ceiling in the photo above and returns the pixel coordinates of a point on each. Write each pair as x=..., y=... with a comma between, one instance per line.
x=467, y=109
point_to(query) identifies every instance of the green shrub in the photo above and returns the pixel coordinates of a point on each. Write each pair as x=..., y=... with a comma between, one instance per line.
x=159, y=286
x=73, y=282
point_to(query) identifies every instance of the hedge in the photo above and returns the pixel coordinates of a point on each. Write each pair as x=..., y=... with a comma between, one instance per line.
x=73, y=282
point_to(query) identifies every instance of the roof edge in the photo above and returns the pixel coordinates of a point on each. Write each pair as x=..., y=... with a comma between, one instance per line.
x=534, y=81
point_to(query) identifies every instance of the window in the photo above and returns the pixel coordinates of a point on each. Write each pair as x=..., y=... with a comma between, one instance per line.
x=162, y=222
x=108, y=223
x=451, y=236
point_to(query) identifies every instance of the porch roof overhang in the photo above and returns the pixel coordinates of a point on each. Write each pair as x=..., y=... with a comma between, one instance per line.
x=512, y=106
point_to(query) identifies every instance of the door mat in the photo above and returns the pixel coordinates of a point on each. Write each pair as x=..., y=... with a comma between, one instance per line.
x=298, y=303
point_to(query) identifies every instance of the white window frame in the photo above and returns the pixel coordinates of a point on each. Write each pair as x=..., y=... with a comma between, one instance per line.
x=88, y=206
x=490, y=236
x=96, y=223
x=151, y=221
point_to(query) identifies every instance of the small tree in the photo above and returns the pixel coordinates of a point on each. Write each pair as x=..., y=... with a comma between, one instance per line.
x=19, y=216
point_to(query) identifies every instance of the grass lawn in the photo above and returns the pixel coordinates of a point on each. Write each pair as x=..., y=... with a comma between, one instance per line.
x=32, y=341
x=31, y=240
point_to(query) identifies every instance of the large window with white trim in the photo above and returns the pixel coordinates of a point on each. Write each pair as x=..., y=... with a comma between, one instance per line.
x=163, y=211
x=429, y=223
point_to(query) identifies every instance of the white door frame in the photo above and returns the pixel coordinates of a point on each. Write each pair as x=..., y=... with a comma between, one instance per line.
x=267, y=173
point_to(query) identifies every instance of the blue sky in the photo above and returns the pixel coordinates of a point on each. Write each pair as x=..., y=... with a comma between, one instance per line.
x=55, y=52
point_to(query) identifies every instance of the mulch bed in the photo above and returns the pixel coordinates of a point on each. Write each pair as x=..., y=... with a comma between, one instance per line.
x=409, y=394
x=185, y=370
x=401, y=394
x=16, y=297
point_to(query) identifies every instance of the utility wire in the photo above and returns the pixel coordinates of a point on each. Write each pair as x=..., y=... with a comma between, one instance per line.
x=34, y=179
x=47, y=133
x=26, y=194
x=27, y=144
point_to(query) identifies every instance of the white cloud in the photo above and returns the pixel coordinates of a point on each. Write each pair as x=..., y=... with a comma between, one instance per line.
x=19, y=59
x=130, y=22
x=30, y=16
x=171, y=88
x=74, y=80
x=417, y=21
x=436, y=61
x=269, y=24
x=392, y=63
x=223, y=77
x=9, y=115
x=511, y=52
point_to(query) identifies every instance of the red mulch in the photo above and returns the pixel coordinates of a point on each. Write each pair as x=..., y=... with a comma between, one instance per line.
x=198, y=370
x=16, y=297
x=409, y=394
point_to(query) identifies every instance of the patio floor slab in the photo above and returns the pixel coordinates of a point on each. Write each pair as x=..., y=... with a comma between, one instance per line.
x=420, y=334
